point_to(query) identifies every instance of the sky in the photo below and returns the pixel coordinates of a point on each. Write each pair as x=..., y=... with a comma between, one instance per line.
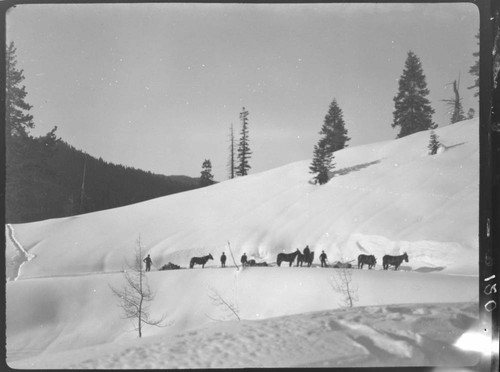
x=158, y=86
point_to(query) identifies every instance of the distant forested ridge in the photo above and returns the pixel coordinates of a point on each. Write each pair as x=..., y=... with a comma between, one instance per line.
x=48, y=178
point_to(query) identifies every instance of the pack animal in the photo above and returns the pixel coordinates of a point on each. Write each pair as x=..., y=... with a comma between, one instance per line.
x=200, y=261
x=307, y=257
x=288, y=257
x=395, y=261
x=369, y=260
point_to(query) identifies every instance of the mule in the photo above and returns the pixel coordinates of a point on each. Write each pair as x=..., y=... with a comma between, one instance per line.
x=288, y=257
x=393, y=260
x=307, y=257
x=370, y=260
x=200, y=261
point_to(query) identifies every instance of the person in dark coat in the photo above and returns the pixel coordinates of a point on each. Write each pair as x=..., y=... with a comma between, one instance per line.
x=244, y=259
x=223, y=260
x=323, y=257
x=148, y=262
x=307, y=252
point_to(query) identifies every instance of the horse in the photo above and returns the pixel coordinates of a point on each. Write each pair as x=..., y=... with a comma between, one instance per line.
x=200, y=261
x=289, y=257
x=370, y=260
x=307, y=257
x=393, y=260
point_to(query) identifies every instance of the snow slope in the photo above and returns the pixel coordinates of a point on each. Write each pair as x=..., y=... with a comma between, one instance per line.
x=389, y=197
x=385, y=198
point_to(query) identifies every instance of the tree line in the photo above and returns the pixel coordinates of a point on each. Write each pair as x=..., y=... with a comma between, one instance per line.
x=48, y=178
x=412, y=113
x=239, y=154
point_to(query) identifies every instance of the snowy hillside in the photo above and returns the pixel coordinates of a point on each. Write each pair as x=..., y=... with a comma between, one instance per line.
x=385, y=198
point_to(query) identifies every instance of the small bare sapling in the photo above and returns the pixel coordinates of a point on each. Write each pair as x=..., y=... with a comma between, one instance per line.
x=135, y=295
x=341, y=282
x=222, y=303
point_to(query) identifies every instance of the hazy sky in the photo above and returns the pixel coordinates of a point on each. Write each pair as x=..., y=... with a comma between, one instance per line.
x=157, y=86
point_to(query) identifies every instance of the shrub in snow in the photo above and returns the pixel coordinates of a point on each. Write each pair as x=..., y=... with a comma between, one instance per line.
x=434, y=144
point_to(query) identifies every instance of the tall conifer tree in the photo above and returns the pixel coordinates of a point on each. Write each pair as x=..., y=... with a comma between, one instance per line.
x=231, y=161
x=333, y=130
x=321, y=164
x=206, y=178
x=334, y=138
x=412, y=110
x=474, y=71
x=18, y=120
x=243, y=148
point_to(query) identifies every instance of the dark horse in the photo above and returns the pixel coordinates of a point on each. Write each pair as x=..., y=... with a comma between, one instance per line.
x=393, y=260
x=200, y=261
x=370, y=260
x=307, y=257
x=289, y=257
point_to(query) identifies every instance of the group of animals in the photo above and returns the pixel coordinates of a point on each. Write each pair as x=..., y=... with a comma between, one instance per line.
x=308, y=257
x=387, y=261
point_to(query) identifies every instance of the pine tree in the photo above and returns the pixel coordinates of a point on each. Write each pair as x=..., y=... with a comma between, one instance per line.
x=17, y=118
x=474, y=71
x=321, y=164
x=231, y=161
x=19, y=166
x=433, y=143
x=334, y=138
x=412, y=110
x=243, y=148
x=455, y=104
x=206, y=178
x=333, y=130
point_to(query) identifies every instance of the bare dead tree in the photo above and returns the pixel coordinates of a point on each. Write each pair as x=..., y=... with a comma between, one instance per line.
x=135, y=296
x=455, y=104
x=219, y=301
x=341, y=282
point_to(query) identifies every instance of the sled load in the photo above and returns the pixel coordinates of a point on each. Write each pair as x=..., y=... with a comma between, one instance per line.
x=341, y=265
x=170, y=266
x=254, y=263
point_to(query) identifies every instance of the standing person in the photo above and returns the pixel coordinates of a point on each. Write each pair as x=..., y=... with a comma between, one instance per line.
x=307, y=252
x=223, y=260
x=244, y=259
x=148, y=262
x=322, y=257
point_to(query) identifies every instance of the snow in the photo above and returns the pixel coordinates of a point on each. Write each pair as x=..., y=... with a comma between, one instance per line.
x=385, y=198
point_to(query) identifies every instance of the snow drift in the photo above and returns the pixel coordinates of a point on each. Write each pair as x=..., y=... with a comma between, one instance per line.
x=384, y=198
